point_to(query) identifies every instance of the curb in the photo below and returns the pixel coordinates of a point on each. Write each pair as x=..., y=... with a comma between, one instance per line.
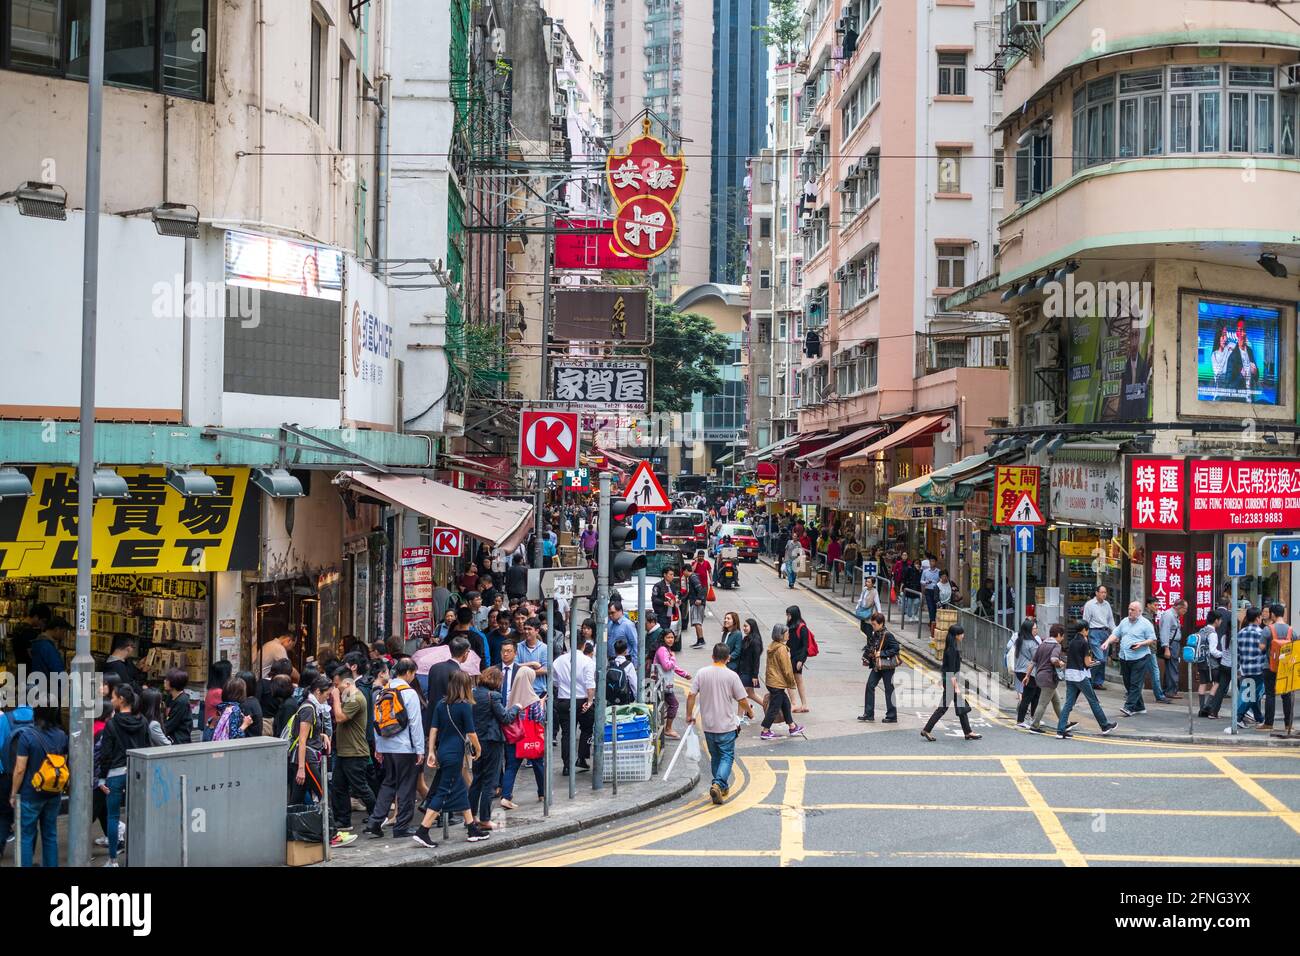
x=468, y=851
x=1210, y=740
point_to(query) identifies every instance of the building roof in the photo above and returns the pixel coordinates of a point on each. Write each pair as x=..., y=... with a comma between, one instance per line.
x=737, y=295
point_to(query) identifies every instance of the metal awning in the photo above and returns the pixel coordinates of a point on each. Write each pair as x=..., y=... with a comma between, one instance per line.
x=976, y=480
x=499, y=521
x=850, y=442
x=777, y=448
x=725, y=459
x=914, y=428
x=1100, y=452
x=947, y=484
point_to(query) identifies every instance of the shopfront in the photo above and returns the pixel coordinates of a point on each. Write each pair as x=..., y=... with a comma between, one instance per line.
x=166, y=566
x=1086, y=508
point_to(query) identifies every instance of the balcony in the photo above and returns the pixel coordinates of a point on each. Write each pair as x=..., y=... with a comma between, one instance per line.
x=940, y=351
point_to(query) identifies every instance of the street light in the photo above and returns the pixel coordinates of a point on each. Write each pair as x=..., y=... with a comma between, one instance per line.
x=14, y=484
x=107, y=483
x=192, y=483
x=277, y=483
x=174, y=219
x=40, y=200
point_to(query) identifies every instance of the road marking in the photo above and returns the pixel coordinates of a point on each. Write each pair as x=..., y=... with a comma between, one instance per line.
x=1087, y=774
x=792, y=816
x=1100, y=858
x=964, y=758
x=1048, y=820
x=1243, y=780
x=1017, y=808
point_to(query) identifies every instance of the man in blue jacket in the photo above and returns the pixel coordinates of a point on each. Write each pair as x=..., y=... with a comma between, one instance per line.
x=10, y=724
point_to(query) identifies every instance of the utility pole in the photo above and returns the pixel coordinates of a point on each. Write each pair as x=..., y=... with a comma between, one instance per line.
x=80, y=713
x=600, y=615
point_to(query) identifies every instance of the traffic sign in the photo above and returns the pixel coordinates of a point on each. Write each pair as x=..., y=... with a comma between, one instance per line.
x=552, y=582
x=447, y=542
x=1237, y=559
x=1010, y=484
x=548, y=440
x=1026, y=512
x=645, y=491
x=645, y=531
x=1024, y=539
x=869, y=570
x=1283, y=550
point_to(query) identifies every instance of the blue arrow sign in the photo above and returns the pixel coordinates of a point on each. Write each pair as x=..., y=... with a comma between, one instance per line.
x=1283, y=550
x=1024, y=539
x=646, y=531
x=1237, y=560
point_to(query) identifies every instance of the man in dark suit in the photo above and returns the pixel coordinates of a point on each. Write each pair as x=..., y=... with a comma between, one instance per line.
x=1135, y=382
x=510, y=668
x=1243, y=371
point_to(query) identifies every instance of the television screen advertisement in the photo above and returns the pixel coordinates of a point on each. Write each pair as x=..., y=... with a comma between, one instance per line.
x=1238, y=353
x=1110, y=369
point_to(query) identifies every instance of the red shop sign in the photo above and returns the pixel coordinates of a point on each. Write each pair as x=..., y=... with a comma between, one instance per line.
x=1204, y=586
x=1255, y=495
x=1168, y=578
x=1156, y=494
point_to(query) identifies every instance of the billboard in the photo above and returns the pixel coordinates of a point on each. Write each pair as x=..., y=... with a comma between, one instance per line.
x=1110, y=369
x=589, y=250
x=273, y=264
x=601, y=315
x=1250, y=495
x=370, y=374
x=1238, y=353
x=623, y=382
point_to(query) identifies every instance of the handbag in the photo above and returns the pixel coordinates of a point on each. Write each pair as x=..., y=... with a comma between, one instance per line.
x=887, y=663
x=532, y=743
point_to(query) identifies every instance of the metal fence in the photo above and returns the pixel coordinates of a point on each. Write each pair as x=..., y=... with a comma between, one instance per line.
x=984, y=646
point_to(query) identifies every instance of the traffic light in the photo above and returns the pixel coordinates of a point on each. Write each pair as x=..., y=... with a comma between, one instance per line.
x=623, y=563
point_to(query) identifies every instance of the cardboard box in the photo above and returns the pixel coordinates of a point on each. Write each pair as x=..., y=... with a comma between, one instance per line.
x=298, y=853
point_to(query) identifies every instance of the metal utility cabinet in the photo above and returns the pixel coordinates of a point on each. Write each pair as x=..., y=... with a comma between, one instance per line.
x=208, y=804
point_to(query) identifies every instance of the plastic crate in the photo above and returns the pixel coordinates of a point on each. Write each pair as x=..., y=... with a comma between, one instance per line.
x=635, y=760
x=637, y=728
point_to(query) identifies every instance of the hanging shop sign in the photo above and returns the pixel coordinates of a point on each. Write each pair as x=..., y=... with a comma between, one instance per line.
x=156, y=530
x=1156, y=494
x=1250, y=495
x=1204, y=586
x=1012, y=483
x=593, y=314
x=417, y=592
x=812, y=481
x=908, y=506
x=1088, y=493
x=1168, y=578
x=598, y=385
x=855, y=490
x=645, y=182
x=578, y=247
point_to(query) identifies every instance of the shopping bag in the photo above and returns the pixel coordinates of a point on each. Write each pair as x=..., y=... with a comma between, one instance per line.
x=533, y=743
x=712, y=595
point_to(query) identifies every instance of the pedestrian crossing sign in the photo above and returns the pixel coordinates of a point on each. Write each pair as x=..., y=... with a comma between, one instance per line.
x=645, y=491
x=1026, y=512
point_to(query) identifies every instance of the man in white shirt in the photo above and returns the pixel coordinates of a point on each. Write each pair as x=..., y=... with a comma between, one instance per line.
x=277, y=649
x=1100, y=618
x=579, y=687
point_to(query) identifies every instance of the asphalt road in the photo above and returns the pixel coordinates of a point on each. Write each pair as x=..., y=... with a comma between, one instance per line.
x=854, y=793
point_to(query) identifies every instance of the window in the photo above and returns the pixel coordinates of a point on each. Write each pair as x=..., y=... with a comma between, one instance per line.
x=872, y=174
x=952, y=74
x=785, y=109
x=1094, y=123
x=783, y=328
x=999, y=171
x=783, y=274
x=314, y=83
x=157, y=45
x=785, y=218
x=343, y=101
x=765, y=227
x=861, y=100
x=764, y=386
x=765, y=278
x=1140, y=109
x=949, y=170
x=952, y=267
x=1034, y=166
x=862, y=277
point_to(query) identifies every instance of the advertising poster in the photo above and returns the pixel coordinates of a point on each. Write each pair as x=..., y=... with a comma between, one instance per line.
x=1088, y=493
x=1252, y=495
x=1238, y=353
x=370, y=379
x=417, y=592
x=1110, y=370
x=283, y=265
x=1204, y=586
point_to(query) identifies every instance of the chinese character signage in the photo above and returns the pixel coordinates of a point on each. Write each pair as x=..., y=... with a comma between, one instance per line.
x=1252, y=495
x=156, y=530
x=1156, y=494
x=811, y=482
x=855, y=490
x=1204, y=602
x=584, y=249
x=645, y=182
x=625, y=383
x=1089, y=493
x=1168, y=578
x=417, y=592
x=610, y=315
x=1011, y=483
x=370, y=380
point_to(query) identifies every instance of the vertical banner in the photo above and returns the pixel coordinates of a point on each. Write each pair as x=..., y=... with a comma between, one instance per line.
x=417, y=592
x=1167, y=578
x=1204, y=586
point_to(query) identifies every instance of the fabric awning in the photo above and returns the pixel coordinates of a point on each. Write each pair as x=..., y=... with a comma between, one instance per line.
x=725, y=459
x=616, y=458
x=1097, y=452
x=499, y=521
x=777, y=449
x=907, y=500
x=914, y=428
x=850, y=442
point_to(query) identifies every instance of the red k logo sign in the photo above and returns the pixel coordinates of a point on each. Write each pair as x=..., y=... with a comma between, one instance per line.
x=548, y=440
x=446, y=542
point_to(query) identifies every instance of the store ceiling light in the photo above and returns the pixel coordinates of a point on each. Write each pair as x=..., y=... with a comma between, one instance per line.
x=175, y=219
x=192, y=483
x=1071, y=266
x=1268, y=262
x=109, y=484
x=1009, y=294
x=14, y=484
x=1045, y=278
x=277, y=483
x=41, y=200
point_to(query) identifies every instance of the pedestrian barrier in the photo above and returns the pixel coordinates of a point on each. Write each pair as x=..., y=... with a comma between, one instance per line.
x=984, y=645
x=885, y=586
x=916, y=596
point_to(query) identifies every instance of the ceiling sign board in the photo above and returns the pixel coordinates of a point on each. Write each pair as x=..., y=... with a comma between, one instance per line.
x=601, y=314
x=548, y=440
x=583, y=249
x=447, y=542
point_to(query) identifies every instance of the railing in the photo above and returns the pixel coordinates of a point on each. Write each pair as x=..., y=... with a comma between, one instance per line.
x=984, y=646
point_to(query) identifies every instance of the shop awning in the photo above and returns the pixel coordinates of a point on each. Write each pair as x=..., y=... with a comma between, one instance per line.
x=914, y=428
x=499, y=521
x=725, y=459
x=835, y=450
x=777, y=449
x=947, y=484
x=1098, y=452
x=616, y=458
x=977, y=480
x=908, y=500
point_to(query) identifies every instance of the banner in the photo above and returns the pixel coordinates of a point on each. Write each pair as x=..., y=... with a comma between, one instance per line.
x=154, y=531
x=1110, y=370
x=1204, y=586
x=1168, y=578
x=598, y=385
x=601, y=315
x=417, y=592
x=370, y=377
x=1155, y=494
x=1089, y=493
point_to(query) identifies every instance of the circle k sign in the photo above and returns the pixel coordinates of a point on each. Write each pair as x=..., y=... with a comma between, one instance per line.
x=446, y=542
x=548, y=440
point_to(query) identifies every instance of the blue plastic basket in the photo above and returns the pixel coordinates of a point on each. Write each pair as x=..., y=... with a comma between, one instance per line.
x=637, y=728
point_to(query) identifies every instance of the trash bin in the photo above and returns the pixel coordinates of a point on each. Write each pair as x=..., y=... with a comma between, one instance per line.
x=823, y=578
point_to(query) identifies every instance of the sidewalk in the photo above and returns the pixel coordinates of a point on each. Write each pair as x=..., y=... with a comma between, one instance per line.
x=526, y=826
x=1163, y=723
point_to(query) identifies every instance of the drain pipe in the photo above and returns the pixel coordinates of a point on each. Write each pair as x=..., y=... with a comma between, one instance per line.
x=381, y=176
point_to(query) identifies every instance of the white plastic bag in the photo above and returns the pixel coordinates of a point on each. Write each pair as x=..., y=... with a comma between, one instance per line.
x=692, y=745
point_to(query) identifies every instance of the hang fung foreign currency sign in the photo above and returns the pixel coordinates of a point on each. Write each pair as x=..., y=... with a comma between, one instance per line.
x=645, y=182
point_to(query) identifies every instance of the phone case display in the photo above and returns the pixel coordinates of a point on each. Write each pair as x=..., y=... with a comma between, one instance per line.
x=168, y=613
x=1079, y=575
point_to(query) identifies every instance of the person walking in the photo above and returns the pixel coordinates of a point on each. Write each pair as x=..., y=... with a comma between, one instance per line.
x=798, y=638
x=1025, y=645
x=912, y=591
x=1280, y=635
x=124, y=731
x=717, y=690
x=522, y=701
x=950, y=675
x=868, y=600
x=348, y=779
x=399, y=753
x=452, y=735
x=1100, y=618
x=490, y=715
x=751, y=659
x=732, y=637
x=1135, y=637
x=779, y=678
x=1044, y=671
x=1171, y=647
x=666, y=672
x=697, y=593
x=36, y=748
x=1207, y=657
x=1078, y=680
x=576, y=690
x=881, y=654
x=930, y=587
x=790, y=560
x=1252, y=663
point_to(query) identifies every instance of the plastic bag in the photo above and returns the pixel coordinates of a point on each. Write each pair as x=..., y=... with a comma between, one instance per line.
x=692, y=746
x=304, y=823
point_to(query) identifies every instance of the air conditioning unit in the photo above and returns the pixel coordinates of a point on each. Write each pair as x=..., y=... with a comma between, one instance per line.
x=1048, y=350
x=1024, y=415
x=1044, y=413
x=1029, y=13
x=845, y=23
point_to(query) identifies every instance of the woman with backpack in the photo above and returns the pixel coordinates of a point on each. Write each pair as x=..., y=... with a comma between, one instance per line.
x=40, y=777
x=251, y=704
x=799, y=640
x=1022, y=657
x=952, y=694
x=868, y=600
x=232, y=721
x=218, y=676
x=451, y=736
x=523, y=703
x=1208, y=657
x=490, y=716
x=124, y=731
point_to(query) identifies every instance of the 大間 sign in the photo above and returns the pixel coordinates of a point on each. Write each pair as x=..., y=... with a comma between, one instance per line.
x=624, y=382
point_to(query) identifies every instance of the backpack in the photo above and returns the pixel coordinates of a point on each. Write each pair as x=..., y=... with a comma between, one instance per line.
x=391, y=716
x=288, y=732
x=813, y=649
x=1202, y=652
x=9, y=728
x=548, y=548
x=618, y=689
x=229, y=724
x=52, y=776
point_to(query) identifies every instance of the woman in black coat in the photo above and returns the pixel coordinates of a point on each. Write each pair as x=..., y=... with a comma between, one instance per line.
x=798, y=644
x=952, y=694
x=749, y=666
x=490, y=715
x=881, y=645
